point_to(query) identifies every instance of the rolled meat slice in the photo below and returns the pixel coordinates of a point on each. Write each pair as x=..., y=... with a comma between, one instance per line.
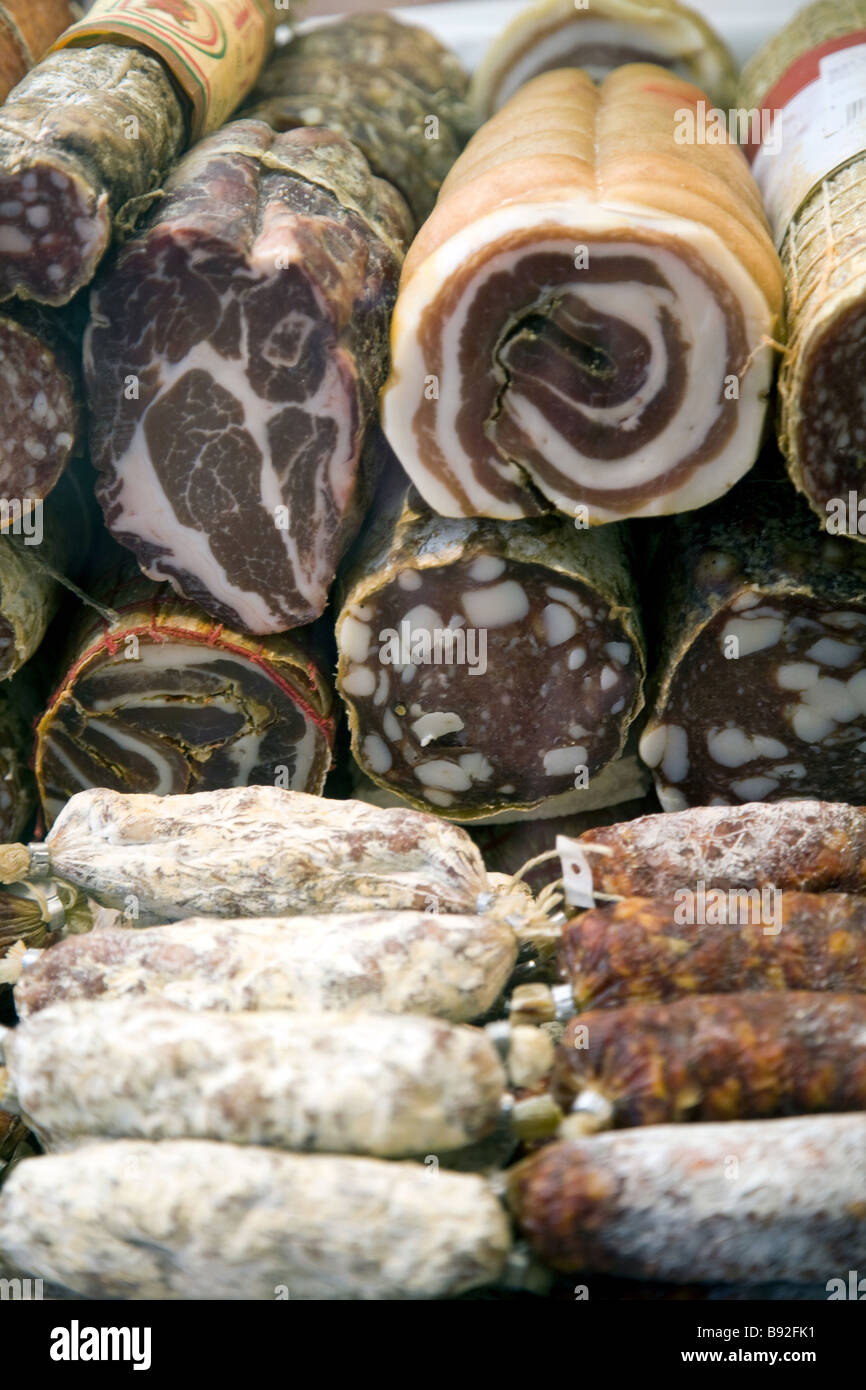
x=807, y=846
x=747, y=1201
x=232, y=365
x=159, y=699
x=252, y=852
x=717, y=1057
x=813, y=192
x=650, y=950
x=598, y=38
x=486, y=666
x=760, y=689
x=26, y=30
x=190, y=1219
x=353, y=1082
x=584, y=321
x=448, y=966
x=40, y=390
x=388, y=87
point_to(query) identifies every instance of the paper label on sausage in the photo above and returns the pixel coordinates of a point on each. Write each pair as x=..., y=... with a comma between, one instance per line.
x=818, y=110
x=214, y=49
x=576, y=872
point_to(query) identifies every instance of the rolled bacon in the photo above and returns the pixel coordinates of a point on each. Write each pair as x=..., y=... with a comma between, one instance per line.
x=584, y=321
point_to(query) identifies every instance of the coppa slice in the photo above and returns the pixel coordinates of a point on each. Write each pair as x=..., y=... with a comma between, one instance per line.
x=599, y=37
x=762, y=680
x=159, y=699
x=486, y=665
x=585, y=319
x=251, y=314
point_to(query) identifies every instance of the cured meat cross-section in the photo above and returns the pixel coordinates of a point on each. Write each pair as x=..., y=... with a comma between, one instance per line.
x=486, y=665
x=232, y=365
x=585, y=319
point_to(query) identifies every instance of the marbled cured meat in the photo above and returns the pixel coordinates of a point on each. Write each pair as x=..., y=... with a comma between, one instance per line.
x=382, y=1084
x=760, y=689
x=381, y=41
x=744, y=1201
x=251, y=313
x=484, y=665
x=717, y=1057
x=199, y=1220
x=818, y=222
x=807, y=846
x=70, y=173
x=600, y=37
x=445, y=965
x=647, y=950
x=40, y=389
x=388, y=87
x=584, y=319
x=26, y=31
x=254, y=851
x=159, y=699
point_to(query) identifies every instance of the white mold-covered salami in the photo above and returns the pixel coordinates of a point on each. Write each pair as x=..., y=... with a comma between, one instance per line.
x=448, y=966
x=196, y=1220
x=256, y=851
x=740, y=1201
x=348, y=1082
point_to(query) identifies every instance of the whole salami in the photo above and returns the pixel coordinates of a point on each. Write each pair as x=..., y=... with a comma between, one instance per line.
x=157, y=698
x=486, y=665
x=717, y=1057
x=250, y=852
x=198, y=1220
x=352, y=1082
x=389, y=87
x=232, y=364
x=646, y=949
x=747, y=1201
x=449, y=966
x=807, y=846
x=760, y=690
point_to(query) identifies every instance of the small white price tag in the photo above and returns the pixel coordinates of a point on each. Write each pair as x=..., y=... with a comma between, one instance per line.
x=576, y=872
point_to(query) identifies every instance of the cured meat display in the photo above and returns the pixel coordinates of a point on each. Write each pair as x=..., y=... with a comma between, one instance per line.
x=814, y=196
x=353, y=1082
x=584, y=320
x=806, y=846
x=251, y=852
x=390, y=88
x=40, y=412
x=749, y=1201
x=26, y=31
x=251, y=312
x=718, y=1057
x=760, y=688
x=159, y=699
x=198, y=1220
x=449, y=966
x=486, y=666
x=654, y=950
x=599, y=37
x=18, y=708
x=87, y=136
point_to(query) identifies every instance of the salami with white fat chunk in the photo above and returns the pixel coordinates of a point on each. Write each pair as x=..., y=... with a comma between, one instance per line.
x=486, y=665
x=232, y=366
x=761, y=687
